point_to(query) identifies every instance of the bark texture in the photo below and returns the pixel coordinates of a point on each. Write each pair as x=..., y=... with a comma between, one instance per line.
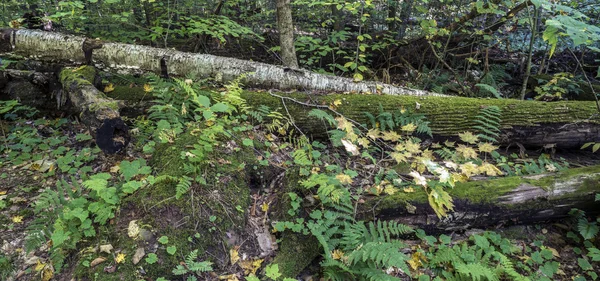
x=50, y=46
x=285, y=25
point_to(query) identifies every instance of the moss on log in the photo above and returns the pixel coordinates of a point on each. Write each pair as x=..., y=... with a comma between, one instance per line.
x=565, y=123
x=509, y=200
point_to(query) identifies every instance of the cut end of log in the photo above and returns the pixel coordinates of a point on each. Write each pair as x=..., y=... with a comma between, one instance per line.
x=113, y=136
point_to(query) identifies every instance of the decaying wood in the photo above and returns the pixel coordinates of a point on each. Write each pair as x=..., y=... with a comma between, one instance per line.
x=565, y=124
x=96, y=110
x=514, y=200
x=133, y=58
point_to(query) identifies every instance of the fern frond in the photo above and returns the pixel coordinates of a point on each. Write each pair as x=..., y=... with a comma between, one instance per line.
x=489, y=123
x=477, y=271
x=182, y=187
x=323, y=116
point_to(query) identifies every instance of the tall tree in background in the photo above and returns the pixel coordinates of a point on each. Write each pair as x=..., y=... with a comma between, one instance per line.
x=286, y=33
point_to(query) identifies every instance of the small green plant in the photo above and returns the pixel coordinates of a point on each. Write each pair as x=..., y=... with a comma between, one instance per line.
x=488, y=123
x=557, y=87
x=192, y=267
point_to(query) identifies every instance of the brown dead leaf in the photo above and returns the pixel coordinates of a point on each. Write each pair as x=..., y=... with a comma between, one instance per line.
x=97, y=261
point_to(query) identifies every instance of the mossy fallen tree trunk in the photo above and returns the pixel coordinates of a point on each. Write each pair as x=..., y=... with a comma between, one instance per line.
x=565, y=124
x=96, y=109
x=50, y=46
x=511, y=200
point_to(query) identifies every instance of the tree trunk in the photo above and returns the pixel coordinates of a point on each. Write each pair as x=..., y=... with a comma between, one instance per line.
x=511, y=200
x=565, y=124
x=285, y=25
x=50, y=46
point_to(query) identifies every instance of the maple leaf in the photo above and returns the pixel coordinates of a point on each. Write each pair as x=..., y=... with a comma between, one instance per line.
x=419, y=180
x=413, y=147
x=350, y=147
x=468, y=169
x=374, y=133
x=486, y=147
x=120, y=258
x=410, y=127
x=466, y=151
x=337, y=254
x=468, y=137
x=391, y=136
x=400, y=157
x=17, y=219
x=489, y=169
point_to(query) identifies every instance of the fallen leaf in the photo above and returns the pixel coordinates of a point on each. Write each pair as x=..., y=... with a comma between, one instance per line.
x=115, y=168
x=229, y=277
x=17, y=219
x=47, y=274
x=109, y=88
x=106, y=248
x=139, y=254
x=234, y=256
x=133, y=230
x=97, y=261
x=110, y=268
x=120, y=258
x=250, y=266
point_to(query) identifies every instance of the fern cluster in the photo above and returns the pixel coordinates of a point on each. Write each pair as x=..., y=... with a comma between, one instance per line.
x=488, y=123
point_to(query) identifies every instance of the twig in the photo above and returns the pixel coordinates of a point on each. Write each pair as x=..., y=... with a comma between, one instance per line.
x=586, y=78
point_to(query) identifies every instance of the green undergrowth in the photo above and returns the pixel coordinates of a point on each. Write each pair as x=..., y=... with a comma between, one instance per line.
x=187, y=206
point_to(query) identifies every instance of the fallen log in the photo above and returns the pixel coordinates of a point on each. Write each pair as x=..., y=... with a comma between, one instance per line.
x=96, y=110
x=496, y=202
x=72, y=92
x=50, y=46
x=565, y=124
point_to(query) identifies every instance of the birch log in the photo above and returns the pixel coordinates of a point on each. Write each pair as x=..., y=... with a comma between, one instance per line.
x=131, y=58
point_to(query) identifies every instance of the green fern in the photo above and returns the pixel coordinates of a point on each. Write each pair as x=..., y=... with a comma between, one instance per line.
x=477, y=271
x=488, y=121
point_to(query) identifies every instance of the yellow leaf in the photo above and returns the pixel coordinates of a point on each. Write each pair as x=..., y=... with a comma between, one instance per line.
x=114, y=168
x=133, y=230
x=106, y=248
x=413, y=147
x=109, y=88
x=47, y=274
x=466, y=152
x=17, y=219
x=120, y=258
x=337, y=254
x=391, y=136
x=148, y=88
x=2, y=192
x=400, y=157
x=390, y=189
x=250, y=266
x=419, y=180
x=468, y=169
x=264, y=207
x=416, y=260
x=344, y=179
x=39, y=266
x=337, y=102
x=468, y=137
x=410, y=127
x=489, y=169
x=409, y=189
x=234, y=256
x=229, y=277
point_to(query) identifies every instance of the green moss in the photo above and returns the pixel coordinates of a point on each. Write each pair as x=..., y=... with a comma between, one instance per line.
x=296, y=252
x=488, y=191
x=448, y=116
x=129, y=93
